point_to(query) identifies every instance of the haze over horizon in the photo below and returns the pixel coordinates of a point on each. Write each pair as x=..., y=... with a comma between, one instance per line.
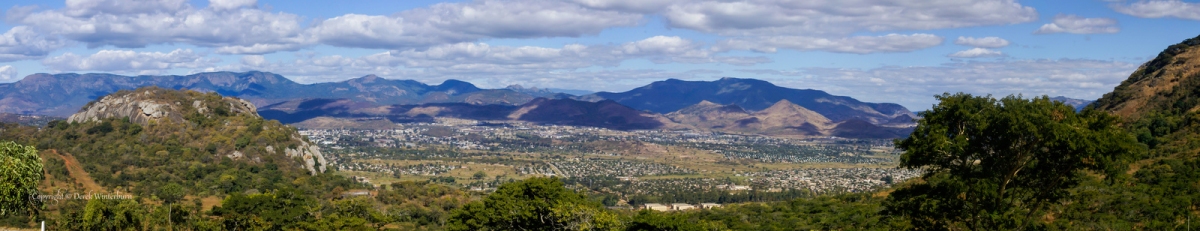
x=875, y=51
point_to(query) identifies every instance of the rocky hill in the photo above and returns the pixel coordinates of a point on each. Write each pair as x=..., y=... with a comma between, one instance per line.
x=152, y=105
x=62, y=94
x=752, y=94
x=141, y=140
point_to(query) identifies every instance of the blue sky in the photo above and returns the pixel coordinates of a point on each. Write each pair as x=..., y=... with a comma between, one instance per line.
x=901, y=51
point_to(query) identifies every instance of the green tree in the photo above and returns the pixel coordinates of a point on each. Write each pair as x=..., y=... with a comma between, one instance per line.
x=170, y=193
x=479, y=175
x=101, y=214
x=995, y=164
x=20, y=173
x=533, y=204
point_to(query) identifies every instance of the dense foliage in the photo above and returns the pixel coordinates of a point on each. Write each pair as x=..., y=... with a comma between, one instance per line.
x=20, y=173
x=995, y=164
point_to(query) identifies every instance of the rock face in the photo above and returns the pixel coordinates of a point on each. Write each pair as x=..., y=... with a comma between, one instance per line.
x=152, y=105
x=313, y=160
x=147, y=104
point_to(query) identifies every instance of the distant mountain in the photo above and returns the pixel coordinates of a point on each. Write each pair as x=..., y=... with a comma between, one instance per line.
x=570, y=91
x=673, y=94
x=605, y=114
x=782, y=118
x=1079, y=104
x=63, y=94
x=541, y=92
x=27, y=120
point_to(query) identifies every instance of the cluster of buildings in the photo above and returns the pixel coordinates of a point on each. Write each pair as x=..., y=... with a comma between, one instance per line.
x=830, y=180
x=609, y=167
x=678, y=206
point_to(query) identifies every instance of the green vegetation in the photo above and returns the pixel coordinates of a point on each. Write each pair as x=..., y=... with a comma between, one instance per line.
x=989, y=164
x=995, y=164
x=20, y=173
x=534, y=204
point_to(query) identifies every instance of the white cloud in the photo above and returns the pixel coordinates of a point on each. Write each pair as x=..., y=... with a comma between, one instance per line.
x=8, y=73
x=238, y=27
x=838, y=17
x=105, y=22
x=914, y=86
x=640, y=6
x=856, y=44
x=448, y=23
x=985, y=42
x=1160, y=9
x=20, y=43
x=1078, y=25
x=231, y=4
x=483, y=60
x=126, y=61
x=87, y=8
x=976, y=53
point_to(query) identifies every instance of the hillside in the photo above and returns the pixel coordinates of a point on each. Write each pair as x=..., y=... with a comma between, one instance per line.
x=62, y=94
x=143, y=139
x=1159, y=103
x=673, y=94
x=783, y=118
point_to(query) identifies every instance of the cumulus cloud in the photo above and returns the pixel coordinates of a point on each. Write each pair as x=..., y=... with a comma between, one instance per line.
x=976, y=53
x=87, y=8
x=448, y=23
x=1078, y=25
x=856, y=44
x=20, y=43
x=483, y=60
x=126, y=61
x=836, y=17
x=985, y=42
x=109, y=22
x=1160, y=9
x=8, y=73
x=914, y=86
x=231, y=4
x=238, y=27
x=641, y=6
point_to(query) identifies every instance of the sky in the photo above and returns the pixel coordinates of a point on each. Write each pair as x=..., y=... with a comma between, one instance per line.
x=897, y=51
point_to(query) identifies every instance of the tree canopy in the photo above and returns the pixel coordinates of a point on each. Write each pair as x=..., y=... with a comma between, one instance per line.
x=534, y=204
x=994, y=164
x=20, y=173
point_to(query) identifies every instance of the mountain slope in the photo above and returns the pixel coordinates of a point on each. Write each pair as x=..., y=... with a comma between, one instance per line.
x=62, y=94
x=673, y=94
x=141, y=140
x=1160, y=100
x=782, y=118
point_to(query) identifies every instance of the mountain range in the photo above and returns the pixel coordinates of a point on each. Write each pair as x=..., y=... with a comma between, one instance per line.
x=752, y=94
x=761, y=107
x=64, y=94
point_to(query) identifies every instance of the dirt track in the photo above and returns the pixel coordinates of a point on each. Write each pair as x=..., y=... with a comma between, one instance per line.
x=76, y=171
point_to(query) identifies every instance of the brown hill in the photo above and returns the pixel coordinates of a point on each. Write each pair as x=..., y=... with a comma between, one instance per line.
x=782, y=118
x=785, y=114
